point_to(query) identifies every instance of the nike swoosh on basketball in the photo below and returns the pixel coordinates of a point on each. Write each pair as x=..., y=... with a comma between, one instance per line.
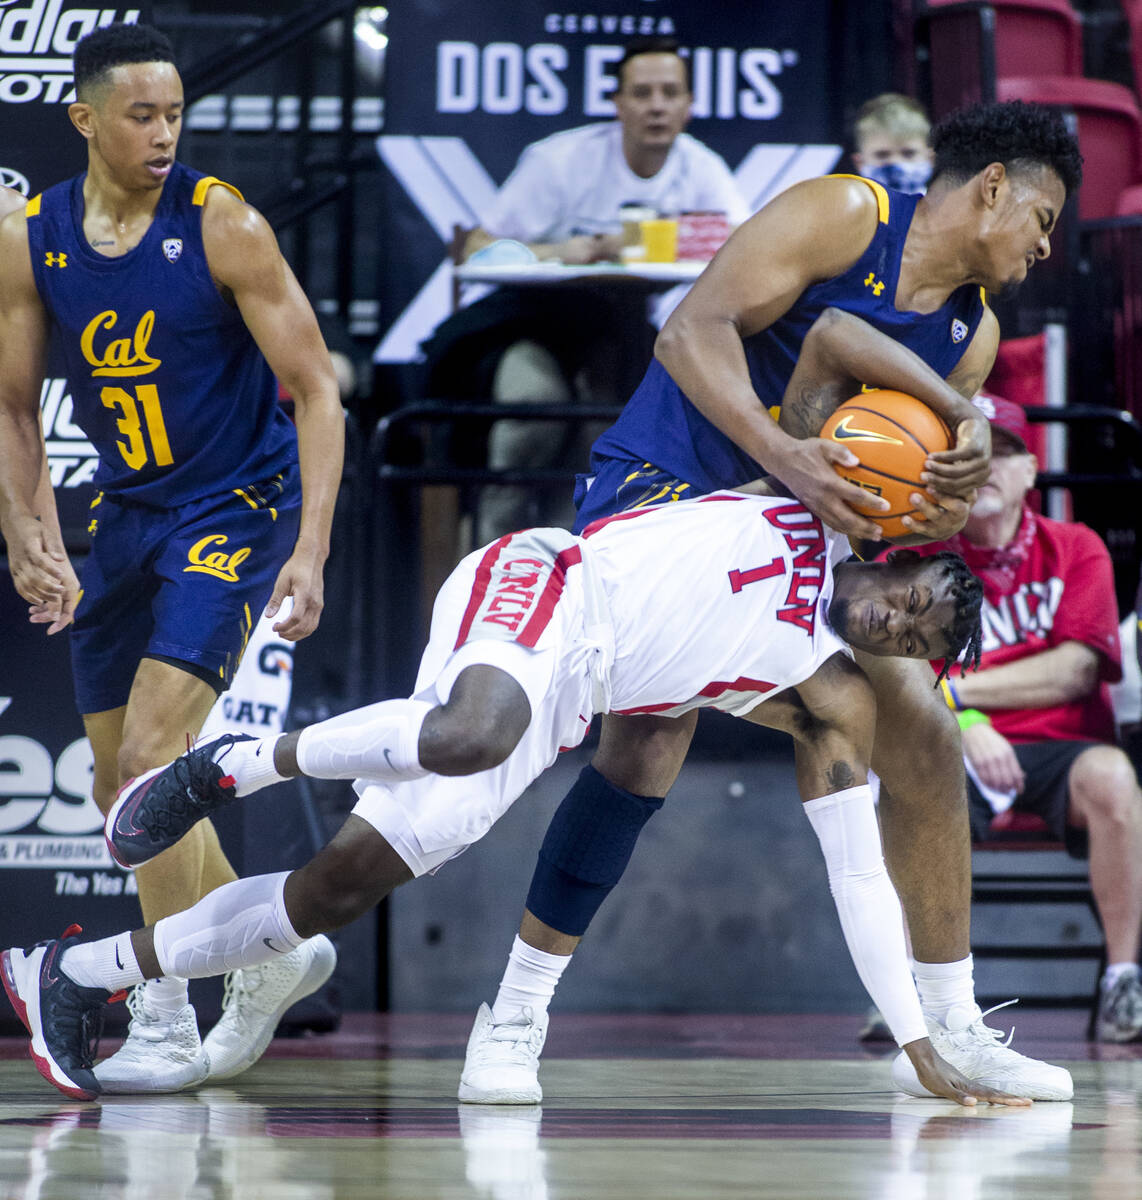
x=844, y=432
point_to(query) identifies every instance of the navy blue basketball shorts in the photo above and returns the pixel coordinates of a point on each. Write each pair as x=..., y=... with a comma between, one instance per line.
x=184, y=585
x=619, y=485
x=1046, y=792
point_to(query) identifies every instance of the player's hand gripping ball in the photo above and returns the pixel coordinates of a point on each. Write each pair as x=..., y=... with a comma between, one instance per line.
x=892, y=434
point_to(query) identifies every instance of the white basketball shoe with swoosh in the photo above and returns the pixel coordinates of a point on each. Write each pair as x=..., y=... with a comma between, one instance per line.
x=255, y=999
x=984, y=1056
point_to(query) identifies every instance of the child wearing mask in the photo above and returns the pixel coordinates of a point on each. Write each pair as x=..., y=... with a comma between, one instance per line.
x=891, y=137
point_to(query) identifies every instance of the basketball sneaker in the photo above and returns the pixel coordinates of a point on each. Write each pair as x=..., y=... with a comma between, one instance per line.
x=63, y=1018
x=255, y=999
x=982, y=1054
x=501, y=1065
x=1120, y=1009
x=154, y=810
x=160, y=1054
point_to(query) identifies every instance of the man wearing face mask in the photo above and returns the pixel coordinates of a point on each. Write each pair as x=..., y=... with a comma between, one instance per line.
x=891, y=137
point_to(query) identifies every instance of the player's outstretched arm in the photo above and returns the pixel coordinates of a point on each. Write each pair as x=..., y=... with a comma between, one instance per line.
x=38, y=563
x=246, y=263
x=832, y=718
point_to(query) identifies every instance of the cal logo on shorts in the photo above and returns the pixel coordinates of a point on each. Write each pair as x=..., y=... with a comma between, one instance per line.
x=216, y=562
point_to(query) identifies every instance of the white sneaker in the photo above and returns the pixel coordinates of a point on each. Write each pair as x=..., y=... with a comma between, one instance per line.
x=255, y=999
x=160, y=1054
x=984, y=1057
x=502, y=1062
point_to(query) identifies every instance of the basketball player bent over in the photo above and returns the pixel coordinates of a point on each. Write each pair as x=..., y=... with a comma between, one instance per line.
x=530, y=636
x=175, y=311
x=913, y=268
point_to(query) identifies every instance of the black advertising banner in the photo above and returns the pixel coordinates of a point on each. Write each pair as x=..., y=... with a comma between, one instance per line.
x=468, y=86
x=39, y=147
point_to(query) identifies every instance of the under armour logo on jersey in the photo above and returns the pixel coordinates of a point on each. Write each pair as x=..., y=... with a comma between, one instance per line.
x=52, y=259
x=874, y=283
x=172, y=248
x=959, y=330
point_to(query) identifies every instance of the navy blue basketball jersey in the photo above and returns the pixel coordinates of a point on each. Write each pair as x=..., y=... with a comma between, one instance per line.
x=659, y=425
x=165, y=378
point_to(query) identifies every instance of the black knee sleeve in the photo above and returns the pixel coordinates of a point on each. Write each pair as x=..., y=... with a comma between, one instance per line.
x=585, y=851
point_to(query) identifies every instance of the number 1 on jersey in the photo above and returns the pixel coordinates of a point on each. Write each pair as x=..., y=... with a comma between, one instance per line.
x=134, y=451
x=740, y=579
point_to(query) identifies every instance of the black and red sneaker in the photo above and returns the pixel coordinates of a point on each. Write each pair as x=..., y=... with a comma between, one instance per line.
x=157, y=808
x=63, y=1018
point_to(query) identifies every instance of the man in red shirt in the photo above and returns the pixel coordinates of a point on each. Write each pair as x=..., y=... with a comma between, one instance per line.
x=1038, y=729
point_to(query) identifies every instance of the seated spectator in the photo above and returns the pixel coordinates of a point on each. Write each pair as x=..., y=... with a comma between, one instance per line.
x=1038, y=728
x=563, y=200
x=891, y=138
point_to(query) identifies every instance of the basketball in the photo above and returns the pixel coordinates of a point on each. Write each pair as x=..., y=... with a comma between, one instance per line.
x=892, y=434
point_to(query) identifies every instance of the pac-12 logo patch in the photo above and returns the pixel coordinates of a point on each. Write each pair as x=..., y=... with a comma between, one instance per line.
x=172, y=248
x=959, y=330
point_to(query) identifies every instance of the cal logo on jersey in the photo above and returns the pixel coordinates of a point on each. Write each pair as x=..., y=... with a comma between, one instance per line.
x=216, y=562
x=959, y=330
x=172, y=248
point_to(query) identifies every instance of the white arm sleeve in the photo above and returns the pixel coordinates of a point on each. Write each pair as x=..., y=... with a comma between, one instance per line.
x=873, y=925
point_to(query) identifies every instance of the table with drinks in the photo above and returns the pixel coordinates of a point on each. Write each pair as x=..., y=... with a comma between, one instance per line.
x=658, y=253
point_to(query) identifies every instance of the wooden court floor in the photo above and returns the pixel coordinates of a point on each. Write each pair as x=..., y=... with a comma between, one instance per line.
x=663, y=1107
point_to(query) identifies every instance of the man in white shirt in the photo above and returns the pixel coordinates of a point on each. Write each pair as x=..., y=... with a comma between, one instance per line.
x=563, y=200
x=564, y=196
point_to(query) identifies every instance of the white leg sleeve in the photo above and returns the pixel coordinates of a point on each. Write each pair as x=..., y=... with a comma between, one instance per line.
x=241, y=924
x=377, y=742
x=873, y=925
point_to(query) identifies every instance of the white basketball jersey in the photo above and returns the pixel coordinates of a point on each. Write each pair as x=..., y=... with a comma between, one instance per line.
x=718, y=602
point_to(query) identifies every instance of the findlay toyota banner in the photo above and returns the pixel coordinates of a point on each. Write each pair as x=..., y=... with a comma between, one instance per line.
x=468, y=86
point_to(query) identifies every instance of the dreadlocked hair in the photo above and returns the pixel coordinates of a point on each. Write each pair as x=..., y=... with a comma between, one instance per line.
x=965, y=636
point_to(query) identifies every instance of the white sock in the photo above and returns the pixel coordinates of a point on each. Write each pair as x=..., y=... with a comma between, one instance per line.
x=528, y=982
x=252, y=764
x=240, y=924
x=1115, y=971
x=945, y=987
x=376, y=742
x=167, y=996
x=108, y=963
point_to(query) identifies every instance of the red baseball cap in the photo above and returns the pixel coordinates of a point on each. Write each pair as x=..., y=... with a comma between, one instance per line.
x=1005, y=415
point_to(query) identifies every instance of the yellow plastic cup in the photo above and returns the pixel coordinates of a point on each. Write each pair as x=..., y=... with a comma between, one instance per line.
x=660, y=238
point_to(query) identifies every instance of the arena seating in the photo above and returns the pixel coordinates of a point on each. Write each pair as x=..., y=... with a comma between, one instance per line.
x=973, y=44
x=1109, y=128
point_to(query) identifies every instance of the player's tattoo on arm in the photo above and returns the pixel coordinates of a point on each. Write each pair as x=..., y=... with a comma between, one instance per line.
x=840, y=776
x=804, y=414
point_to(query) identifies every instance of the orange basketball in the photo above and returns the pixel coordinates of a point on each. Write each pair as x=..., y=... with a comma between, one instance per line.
x=892, y=434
